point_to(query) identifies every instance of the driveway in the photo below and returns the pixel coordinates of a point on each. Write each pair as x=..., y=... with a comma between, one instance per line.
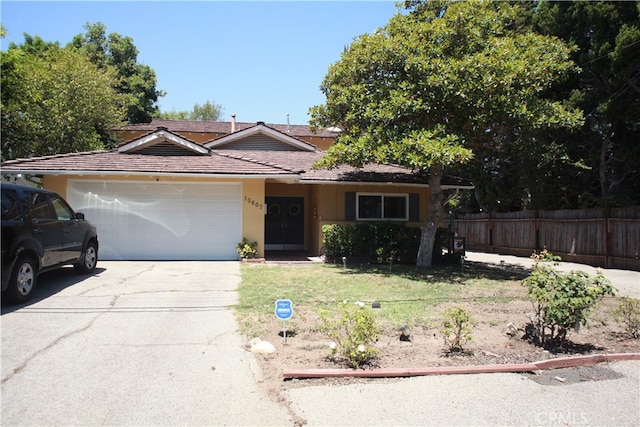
x=138, y=343
x=626, y=282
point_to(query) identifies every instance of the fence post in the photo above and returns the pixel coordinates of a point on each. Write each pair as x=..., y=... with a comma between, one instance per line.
x=490, y=232
x=536, y=225
x=607, y=239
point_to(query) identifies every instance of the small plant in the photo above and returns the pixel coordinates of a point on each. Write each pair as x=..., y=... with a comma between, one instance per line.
x=561, y=301
x=457, y=324
x=545, y=256
x=247, y=249
x=353, y=332
x=628, y=312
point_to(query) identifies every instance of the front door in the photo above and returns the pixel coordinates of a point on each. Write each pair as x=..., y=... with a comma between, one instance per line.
x=284, y=224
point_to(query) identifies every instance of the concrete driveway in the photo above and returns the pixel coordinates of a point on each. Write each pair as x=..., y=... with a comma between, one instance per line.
x=138, y=343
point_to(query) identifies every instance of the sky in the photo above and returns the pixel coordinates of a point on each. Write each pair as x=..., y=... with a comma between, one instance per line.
x=258, y=60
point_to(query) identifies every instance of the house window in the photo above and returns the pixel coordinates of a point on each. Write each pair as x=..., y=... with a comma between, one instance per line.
x=393, y=207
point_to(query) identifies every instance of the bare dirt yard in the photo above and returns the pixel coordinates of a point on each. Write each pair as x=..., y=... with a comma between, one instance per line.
x=494, y=342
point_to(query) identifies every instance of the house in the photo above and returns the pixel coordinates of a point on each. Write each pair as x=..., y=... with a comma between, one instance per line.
x=184, y=190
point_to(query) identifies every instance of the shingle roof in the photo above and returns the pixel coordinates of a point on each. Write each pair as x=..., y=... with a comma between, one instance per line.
x=303, y=161
x=164, y=157
x=114, y=162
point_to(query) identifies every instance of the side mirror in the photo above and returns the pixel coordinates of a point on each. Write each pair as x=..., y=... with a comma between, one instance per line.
x=80, y=216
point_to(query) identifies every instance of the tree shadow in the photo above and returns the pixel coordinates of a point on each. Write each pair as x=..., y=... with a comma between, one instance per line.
x=456, y=273
x=48, y=284
x=559, y=347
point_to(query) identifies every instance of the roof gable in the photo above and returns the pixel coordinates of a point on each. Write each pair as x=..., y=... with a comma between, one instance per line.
x=260, y=137
x=162, y=142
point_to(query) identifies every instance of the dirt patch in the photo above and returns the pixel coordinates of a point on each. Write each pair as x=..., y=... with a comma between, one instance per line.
x=494, y=342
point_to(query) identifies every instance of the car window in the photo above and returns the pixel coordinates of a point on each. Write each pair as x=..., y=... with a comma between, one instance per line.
x=10, y=206
x=62, y=210
x=40, y=207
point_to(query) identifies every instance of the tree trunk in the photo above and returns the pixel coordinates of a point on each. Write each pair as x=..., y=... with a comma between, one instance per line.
x=434, y=206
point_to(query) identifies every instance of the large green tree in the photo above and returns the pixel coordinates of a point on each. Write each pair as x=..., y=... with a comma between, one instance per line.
x=439, y=84
x=607, y=36
x=54, y=100
x=136, y=82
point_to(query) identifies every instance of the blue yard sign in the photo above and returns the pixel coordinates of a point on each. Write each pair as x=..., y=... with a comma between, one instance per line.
x=284, y=309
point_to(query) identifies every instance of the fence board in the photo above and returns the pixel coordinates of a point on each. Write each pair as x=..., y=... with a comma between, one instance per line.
x=599, y=237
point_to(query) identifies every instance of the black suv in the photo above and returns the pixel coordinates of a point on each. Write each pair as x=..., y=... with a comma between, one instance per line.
x=41, y=232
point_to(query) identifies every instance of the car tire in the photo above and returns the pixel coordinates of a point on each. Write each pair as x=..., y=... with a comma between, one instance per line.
x=22, y=284
x=88, y=260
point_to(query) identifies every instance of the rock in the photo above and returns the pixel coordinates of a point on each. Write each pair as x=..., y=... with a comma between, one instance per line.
x=262, y=347
x=512, y=330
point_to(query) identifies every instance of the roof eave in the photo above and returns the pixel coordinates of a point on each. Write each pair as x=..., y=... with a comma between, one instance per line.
x=343, y=182
x=292, y=177
x=407, y=184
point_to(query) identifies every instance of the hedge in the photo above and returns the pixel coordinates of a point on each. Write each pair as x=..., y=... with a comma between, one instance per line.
x=378, y=242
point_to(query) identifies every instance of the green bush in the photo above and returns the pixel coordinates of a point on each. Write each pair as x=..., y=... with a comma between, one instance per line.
x=628, y=312
x=561, y=301
x=353, y=331
x=457, y=324
x=372, y=242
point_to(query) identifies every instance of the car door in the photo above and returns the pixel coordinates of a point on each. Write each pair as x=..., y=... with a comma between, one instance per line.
x=72, y=232
x=45, y=227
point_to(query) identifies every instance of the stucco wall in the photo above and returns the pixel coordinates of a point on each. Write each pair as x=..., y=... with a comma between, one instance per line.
x=253, y=212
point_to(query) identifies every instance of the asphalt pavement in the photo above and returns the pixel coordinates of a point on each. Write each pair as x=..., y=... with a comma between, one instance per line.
x=475, y=400
x=156, y=343
x=138, y=343
x=627, y=282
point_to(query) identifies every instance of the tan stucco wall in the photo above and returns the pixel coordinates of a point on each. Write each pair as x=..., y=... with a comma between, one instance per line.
x=253, y=212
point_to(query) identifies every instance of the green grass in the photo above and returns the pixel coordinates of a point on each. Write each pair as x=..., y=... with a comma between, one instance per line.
x=406, y=294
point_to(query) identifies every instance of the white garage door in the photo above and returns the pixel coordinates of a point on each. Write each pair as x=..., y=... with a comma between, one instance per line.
x=161, y=220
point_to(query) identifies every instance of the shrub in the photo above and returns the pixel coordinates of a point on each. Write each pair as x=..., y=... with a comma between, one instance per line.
x=247, y=249
x=353, y=331
x=372, y=242
x=561, y=301
x=628, y=312
x=457, y=324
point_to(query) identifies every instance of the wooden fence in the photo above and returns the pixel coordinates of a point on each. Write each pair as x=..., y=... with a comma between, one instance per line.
x=608, y=238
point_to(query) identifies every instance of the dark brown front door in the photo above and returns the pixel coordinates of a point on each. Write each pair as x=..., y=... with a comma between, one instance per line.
x=284, y=223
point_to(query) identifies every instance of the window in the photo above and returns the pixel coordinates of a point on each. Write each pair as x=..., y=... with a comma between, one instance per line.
x=62, y=210
x=40, y=207
x=382, y=207
x=10, y=206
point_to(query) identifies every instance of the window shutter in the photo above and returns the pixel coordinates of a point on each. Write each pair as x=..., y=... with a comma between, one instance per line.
x=350, y=206
x=414, y=207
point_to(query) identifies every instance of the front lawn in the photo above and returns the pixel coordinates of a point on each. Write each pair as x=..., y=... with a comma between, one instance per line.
x=405, y=293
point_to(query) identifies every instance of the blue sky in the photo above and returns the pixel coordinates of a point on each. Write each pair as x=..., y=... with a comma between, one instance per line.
x=260, y=60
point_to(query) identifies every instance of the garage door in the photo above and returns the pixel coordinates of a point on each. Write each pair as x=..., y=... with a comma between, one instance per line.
x=161, y=220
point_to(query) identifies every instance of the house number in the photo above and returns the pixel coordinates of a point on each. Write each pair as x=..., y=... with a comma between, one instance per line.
x=252, y=202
